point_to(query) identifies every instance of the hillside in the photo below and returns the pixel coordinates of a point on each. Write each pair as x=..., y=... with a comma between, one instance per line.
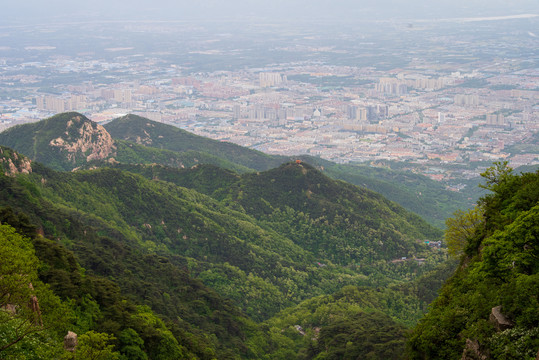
x=332, y=219
x=415, y=192
x=149, y=133
x=63, y=142
x=119, y=277
x=69, y=141
x=242, y=255
x=265, y=241
x=488, y=308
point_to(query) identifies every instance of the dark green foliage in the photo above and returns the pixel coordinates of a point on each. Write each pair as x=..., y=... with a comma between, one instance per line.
x=363, y=336
x=500, y=268
x=34, y=140
x=205, y=179
x=153, y=134
x=133, y=153
x=349, y=324
x=332, y=219
x=142, y=141
x=266, y=241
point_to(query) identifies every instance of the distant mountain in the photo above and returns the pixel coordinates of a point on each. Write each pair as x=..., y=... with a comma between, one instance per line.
x=149, y=133
x=488, y=308
x=70, y=140
x=417, y=193
x=63, y=142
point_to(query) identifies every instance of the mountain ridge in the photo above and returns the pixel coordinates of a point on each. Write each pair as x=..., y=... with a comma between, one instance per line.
x=171, y=146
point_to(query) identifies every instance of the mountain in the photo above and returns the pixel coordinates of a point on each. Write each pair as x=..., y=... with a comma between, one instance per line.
x=119, y=276
x=149, y=133
x=64, y=141
x=417, y=193
x=263, y=242
x=227, y=242
x=328, y=216
x=68, y=141
x=488, y=308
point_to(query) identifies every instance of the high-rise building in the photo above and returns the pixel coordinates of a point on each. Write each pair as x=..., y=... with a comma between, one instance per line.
x=441, y=117
x=462, y=99
x=237, y=111
x=351, y=112
x=268, y=79
x=495, y=120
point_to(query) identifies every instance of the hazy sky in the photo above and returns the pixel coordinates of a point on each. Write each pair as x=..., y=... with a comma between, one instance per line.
x=265, y=10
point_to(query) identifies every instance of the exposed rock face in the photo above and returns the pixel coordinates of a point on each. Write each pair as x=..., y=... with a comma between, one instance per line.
x=500, y=321
x=70, y=341
x=472, y=351
x=146, y=140
x=86, y=139
x=14, y=163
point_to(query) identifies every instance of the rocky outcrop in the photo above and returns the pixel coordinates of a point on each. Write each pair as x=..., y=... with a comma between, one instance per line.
x=70, y=341
x=84, y=138
x=14, y=163
x=473, y=351
x=499, y=320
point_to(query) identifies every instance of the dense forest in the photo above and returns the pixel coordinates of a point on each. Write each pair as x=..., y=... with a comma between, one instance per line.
x=489, y=308
x=135, y=140
x=157, y=252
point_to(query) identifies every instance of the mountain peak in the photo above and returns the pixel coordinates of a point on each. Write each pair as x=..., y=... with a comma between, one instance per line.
x=64, y=141
x=83, y=137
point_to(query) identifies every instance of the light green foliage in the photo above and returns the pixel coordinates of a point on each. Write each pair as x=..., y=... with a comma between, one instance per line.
x=95, y=346
x=132, y=345
x=460, y=228
x=18, y=266
x=496, y=176
x=25, y=331
x=500, y=268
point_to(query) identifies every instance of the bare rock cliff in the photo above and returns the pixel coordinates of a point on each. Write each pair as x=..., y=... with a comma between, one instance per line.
x=13, y=163
x=85, y=139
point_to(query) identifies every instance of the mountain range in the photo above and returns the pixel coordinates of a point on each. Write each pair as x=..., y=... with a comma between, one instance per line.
x=56, y=142
x=210, y=252
x=153, y=243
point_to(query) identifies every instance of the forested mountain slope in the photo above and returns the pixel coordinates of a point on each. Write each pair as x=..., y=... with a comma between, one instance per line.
x=266, y=241
x=122, y=269
x=227, y=244
x=415, y=192
x=70, y=140
x=489, y=308
x=149, y=133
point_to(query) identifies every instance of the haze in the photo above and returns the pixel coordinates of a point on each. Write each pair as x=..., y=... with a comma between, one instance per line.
x=277, y=10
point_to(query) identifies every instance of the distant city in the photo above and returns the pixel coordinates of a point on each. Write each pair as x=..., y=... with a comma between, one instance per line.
x=445, y=99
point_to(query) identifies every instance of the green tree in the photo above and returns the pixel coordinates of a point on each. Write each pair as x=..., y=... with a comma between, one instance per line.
x=496, y=175
x=460, y=228
x=96, y=346
x=18, y=265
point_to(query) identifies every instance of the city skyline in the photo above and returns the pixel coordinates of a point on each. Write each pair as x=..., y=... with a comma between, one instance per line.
x=441, y=98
